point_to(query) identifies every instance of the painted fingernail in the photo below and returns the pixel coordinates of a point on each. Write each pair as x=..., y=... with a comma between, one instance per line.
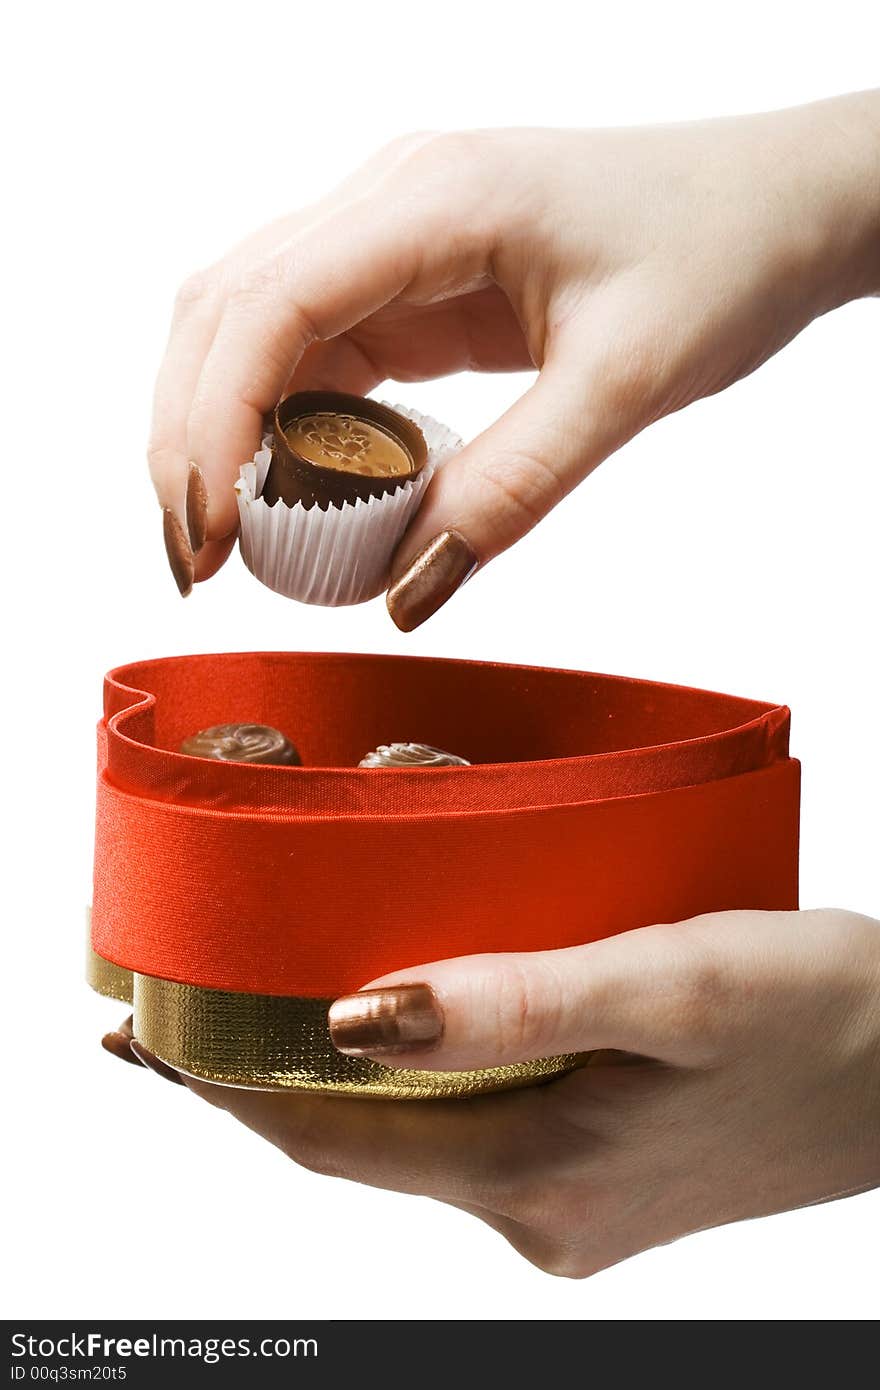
x=432, y=578
x=118, y=1043
x=196, y=508
x=178, y=550
x=155, y=1063
x=403, y=1018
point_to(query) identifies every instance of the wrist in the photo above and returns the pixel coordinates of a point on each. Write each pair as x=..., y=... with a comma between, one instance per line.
x=834, y=147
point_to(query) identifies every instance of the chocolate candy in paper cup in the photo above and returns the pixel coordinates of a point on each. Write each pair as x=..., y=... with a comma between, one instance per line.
x=325, y=501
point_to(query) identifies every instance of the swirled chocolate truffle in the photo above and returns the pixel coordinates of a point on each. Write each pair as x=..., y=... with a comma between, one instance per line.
x=330, y=448
x=411, y=755
x=242, y=743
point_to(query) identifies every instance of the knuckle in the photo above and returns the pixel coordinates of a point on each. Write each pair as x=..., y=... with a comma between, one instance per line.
x=524, y=1011
x=433, y=150
x=524, y=486
x=268, y=287
x=195, y=290
x=458, y=149
x=406, y=144
x=437, y=162
x=257, y=285
x=706, y=985
x=705, y=1000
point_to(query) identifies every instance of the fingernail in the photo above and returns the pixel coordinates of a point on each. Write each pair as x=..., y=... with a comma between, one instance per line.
x=405, y=1018
x=177, y=547
x=118, y=1043
x=432, y=578
x=196, y=508
x=155, y=1063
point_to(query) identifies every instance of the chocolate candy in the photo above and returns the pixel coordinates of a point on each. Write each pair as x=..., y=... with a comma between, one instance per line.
x=411, y=755
x=330, y=448
x=242, y=743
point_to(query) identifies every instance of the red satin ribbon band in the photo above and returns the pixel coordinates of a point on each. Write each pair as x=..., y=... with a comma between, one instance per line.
x=597, y=804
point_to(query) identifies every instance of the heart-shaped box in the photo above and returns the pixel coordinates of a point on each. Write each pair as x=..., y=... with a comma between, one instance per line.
x=233, y=902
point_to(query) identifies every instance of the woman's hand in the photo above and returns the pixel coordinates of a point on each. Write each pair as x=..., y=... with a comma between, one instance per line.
x=736, y=1073
x=638, y=270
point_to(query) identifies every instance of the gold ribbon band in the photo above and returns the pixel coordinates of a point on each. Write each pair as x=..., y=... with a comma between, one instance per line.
x=113, y=981
x=281, y=1043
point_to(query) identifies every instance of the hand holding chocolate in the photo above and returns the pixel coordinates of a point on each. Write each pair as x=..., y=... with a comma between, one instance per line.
x=326, y=499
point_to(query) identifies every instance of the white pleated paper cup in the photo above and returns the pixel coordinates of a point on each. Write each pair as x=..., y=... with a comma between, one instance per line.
x=335, y=555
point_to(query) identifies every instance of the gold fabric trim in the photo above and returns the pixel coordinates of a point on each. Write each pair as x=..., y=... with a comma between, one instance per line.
x=261, y=1041
x=108, y=979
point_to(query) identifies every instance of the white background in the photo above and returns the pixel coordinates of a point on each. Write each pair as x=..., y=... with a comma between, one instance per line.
x=733, y=547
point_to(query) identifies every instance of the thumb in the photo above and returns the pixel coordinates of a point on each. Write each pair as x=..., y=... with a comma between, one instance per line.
x=640, y=992
x=507, y=479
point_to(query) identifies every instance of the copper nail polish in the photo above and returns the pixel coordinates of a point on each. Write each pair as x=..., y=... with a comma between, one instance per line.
x=196, y=508
x=118, y=1043
x=155, y=1063
x=177, y=547
x=432, y=578
x=401, y=1018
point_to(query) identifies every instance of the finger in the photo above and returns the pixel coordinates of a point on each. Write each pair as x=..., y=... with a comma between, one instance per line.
x=651, y=992
x=118, y=1043
x=453, y=1150
x=507, y=479
x=337, y=366
x=197, y=550
x=474, y=331
x=193, y=326
x=197, y=312
x=212, y=555
x=192, y=332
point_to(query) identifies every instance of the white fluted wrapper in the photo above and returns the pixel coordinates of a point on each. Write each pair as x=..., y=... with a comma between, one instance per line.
x=337, y=555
